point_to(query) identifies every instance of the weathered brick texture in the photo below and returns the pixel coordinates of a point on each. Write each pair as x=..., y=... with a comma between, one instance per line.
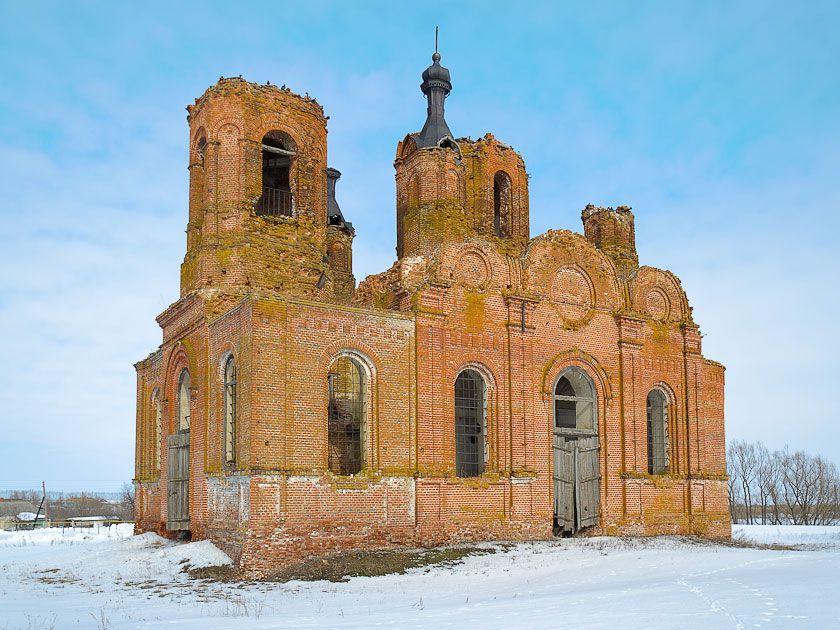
x=470, y=289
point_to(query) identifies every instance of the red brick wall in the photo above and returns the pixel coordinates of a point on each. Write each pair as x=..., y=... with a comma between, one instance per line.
x=519, y=311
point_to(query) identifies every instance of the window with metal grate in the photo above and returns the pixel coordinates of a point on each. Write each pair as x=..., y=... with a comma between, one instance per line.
x=657, y=431
x=346, y=383
x=469, y=424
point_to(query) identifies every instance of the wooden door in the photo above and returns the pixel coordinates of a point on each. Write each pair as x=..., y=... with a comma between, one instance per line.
x=178, y=489
x=587, y=481
x=564, y=488
x=577, y=481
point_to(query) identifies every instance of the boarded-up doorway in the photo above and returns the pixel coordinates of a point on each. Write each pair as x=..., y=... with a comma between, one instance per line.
x=577, y=469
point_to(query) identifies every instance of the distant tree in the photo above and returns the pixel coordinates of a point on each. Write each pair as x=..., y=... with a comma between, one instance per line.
x=127, y=500
x=781, y=486
x=767, y=481
x=734, y=485
x=745, y=461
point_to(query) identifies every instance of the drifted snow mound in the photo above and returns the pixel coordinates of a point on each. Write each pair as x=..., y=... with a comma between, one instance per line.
x=816, y=535
x=194, y=555
x=107, y=556
x=150, y=557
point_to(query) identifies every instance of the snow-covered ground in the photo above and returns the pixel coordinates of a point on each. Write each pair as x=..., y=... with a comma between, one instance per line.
x=106, y=578
x=797, y=535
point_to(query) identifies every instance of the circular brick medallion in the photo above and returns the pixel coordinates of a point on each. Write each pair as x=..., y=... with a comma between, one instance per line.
x=657, y=304
x=572, y=292
x=472, y=270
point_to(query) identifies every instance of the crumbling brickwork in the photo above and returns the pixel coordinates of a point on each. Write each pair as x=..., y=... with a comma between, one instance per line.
x=470, y=291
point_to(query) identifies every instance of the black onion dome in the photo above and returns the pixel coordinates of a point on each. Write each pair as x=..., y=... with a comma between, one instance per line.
x=436, y=75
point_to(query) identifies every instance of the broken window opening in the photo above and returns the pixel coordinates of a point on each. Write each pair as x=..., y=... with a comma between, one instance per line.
x=469, y=424
x=278, y=152
x=501, y=203
x=346, y=383
x=574, y=401
x=201, y=149
x=657, y=430
x=184, y=400
x=230, y=411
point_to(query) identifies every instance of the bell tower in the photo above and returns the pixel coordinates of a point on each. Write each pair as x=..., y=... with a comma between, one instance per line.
x=430, y=175
x=258, y=192
x=450, y=190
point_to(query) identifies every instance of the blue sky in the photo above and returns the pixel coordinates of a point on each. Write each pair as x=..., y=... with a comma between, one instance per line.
x=717, y=122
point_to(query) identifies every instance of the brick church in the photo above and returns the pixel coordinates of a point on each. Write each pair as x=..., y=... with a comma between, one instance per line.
x=489, y=385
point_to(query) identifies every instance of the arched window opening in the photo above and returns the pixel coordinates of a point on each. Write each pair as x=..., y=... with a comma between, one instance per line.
x=278, y=151
x=184, y=401
x=157, y=409
x=470, y=391
x=230, y=411
x=501, y=203
x=201, y=149
x=574, y=401
x=657, y=430
x=346, y=383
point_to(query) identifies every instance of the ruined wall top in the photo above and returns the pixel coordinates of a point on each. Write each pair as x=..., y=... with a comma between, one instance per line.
x=613, y=231
x=237, y=86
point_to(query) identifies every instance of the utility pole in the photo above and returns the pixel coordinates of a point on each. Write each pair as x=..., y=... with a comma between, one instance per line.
x=43, y=498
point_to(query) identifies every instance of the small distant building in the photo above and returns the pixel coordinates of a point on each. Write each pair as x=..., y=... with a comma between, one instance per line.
x=11, y=509
x=31, y=520
x=90, y=521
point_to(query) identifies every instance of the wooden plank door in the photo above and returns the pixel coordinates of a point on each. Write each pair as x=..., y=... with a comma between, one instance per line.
x=577, y=481
x=564, y=477
x=178, y=488
x=588, y=481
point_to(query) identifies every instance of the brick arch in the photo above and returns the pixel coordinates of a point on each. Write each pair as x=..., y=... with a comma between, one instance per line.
x=452, y=261
x=284, y=136
x=477, y=361
x=406, y=147
x=581, y=359
x=180, y=357
x=275, y=124
x=549, y=252
x=667, y=390
x=670, y=393
x=505, y=179
x=332, y=350
x=199, y=132
x=213, y=132
x=651, y=279
x=228, y=350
